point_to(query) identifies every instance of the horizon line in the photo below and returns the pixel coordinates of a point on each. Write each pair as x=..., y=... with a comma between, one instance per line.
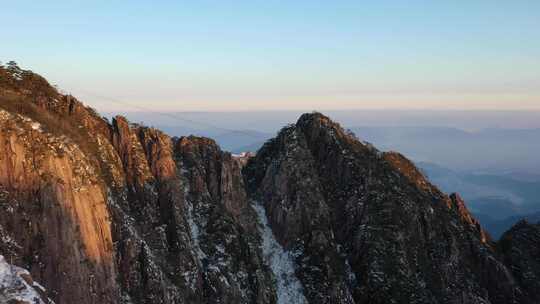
x=330, y=110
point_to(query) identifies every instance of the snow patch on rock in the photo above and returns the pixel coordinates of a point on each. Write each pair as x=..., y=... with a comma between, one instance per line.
x=36, y=126
x=16, y=285
x=195, y=231
x=288, y=286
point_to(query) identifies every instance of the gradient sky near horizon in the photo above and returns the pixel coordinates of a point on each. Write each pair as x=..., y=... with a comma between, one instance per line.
x=257, y=55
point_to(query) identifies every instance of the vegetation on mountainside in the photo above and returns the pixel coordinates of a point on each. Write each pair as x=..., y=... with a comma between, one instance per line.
x=19, y=92
x=29, y=94
x=13, y=78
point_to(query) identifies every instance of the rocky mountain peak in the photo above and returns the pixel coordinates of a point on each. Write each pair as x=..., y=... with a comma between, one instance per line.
x=317, y=121
x=339, y=203
x=320, y=129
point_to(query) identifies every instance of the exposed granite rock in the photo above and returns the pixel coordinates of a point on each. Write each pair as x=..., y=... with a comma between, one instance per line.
x=335, y=198
x=284, y=172
x=520, y=249
x=54, y=209
x=153, y=242
x=223, y=225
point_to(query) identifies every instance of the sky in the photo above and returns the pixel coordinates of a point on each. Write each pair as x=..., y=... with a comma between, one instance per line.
x=281, y=55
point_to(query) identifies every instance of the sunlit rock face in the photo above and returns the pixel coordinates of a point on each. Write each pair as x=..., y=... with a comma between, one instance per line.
x=54, y=209
x=116, y=212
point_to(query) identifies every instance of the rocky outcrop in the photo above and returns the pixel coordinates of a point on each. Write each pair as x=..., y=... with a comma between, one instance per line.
x=187, y=206
x=153, y=243
x=55, y=211
x=223, y=225
x=367, y=227
x=286, y=178
x=520, y=249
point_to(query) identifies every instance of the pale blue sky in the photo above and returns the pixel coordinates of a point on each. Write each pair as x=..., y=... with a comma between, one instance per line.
x=248, y=55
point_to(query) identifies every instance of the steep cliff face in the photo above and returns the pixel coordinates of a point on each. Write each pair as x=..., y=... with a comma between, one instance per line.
x=116, y=212
x=223, y=225
x=54, y=210
x=184, y=228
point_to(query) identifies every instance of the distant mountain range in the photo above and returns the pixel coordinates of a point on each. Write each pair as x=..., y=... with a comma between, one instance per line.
x=498, y=201
x=494, y=150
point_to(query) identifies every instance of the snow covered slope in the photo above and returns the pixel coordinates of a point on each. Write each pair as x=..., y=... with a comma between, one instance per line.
x=288, y=287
